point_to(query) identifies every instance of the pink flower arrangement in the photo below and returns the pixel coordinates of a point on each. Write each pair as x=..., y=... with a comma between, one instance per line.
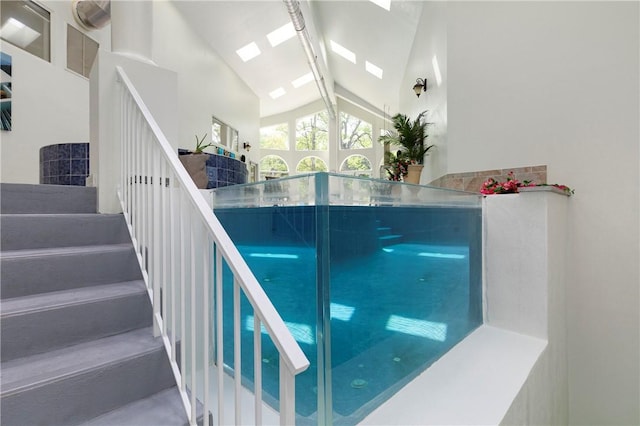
x=512, y=186
x=397, y=170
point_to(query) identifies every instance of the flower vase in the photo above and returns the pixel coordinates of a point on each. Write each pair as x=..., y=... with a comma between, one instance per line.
x=414, y=173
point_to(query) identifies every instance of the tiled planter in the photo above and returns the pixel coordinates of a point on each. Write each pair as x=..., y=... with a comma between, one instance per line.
x=223, y=171
x=64, y=164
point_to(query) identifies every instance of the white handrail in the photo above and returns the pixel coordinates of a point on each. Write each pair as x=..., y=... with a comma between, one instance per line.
x=173, y=229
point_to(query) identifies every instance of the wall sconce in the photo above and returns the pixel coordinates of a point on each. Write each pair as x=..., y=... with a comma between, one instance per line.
x=420, y=86
x=246, y=146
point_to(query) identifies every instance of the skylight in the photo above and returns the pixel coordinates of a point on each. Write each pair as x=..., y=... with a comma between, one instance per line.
x=385, y=4
x=277, y=93
x=436, y=70
x=281, y=35
x=301, y=81
x=248, y=52
x=18, y=33
x=343, y=51
x=373, y=69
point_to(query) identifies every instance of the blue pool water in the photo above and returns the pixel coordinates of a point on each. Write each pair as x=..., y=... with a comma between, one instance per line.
x=403, y=287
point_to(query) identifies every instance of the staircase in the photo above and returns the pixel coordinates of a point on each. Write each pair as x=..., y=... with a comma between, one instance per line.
x=76, y=345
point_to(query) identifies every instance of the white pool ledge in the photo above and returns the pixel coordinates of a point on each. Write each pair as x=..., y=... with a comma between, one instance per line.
x=473, y=384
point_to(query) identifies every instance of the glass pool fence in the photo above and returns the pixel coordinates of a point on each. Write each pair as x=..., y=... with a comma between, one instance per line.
x=375, y=279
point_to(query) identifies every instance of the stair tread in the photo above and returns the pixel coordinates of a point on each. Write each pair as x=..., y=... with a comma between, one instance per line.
x=37, y=370
x=161, y=409
x=62, y=251
x=58, y=299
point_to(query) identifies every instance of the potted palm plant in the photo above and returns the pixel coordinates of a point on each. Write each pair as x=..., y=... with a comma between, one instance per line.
x=410, y=136
x=195, y=163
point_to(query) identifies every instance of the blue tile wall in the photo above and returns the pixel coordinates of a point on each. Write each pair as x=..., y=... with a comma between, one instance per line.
x=225, y=171
x=64, y=164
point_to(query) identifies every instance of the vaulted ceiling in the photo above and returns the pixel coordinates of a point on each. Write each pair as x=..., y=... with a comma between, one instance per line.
x=382, y=38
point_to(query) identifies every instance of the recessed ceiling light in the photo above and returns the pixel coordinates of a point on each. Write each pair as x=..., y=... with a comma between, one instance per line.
x=385, y=4
x=277, y=93
x=377, y=71
x=301, y=81
x=249, y=51
x=343, y=51
x=281, y=35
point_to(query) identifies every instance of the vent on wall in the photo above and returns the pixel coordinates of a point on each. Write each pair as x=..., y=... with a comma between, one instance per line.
x=81, y=51
x=92, y=14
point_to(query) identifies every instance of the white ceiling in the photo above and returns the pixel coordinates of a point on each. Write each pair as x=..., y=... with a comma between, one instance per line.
x=384, y=38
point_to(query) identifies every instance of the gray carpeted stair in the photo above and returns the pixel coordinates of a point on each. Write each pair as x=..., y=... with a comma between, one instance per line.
x=75, y=317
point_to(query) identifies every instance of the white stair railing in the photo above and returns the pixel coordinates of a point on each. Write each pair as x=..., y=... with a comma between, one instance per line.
x=181, y=246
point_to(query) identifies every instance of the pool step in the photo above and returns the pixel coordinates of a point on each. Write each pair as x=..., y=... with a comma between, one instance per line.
x=387, y=240
x=385, y=236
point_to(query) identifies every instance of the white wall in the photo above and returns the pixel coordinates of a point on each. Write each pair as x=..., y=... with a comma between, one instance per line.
x=50, y=104
x=206, y=85
x=430, y=42
x=557, y=84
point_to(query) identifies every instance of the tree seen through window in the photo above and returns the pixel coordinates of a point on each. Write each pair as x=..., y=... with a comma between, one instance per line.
x=354, y=132
x=275, y=137
x=311, y=164
x=312, y=132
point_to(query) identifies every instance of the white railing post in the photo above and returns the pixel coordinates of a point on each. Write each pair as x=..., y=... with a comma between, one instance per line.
x=219, y=337
x=287, y=396
x=257, y=368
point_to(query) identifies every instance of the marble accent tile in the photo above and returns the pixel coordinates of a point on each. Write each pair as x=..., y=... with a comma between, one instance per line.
x=472, y=181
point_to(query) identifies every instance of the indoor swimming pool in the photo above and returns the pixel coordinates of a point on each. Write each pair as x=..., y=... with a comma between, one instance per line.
x=373, y=293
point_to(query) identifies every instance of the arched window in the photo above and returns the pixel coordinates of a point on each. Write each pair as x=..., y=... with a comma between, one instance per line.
x=356, y=165
x=273, y=166
x=311, y=164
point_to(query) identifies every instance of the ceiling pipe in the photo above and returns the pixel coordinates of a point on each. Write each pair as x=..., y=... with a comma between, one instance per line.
x=293, y=7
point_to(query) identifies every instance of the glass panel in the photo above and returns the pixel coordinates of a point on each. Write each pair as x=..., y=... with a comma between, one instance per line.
x=279, y=245
x=275, y=137
x=354, y=132
x=375, y=279
x=312, y=132
x=26, y=25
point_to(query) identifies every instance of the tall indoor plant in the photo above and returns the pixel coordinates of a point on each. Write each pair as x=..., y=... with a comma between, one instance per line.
x=411, y=137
